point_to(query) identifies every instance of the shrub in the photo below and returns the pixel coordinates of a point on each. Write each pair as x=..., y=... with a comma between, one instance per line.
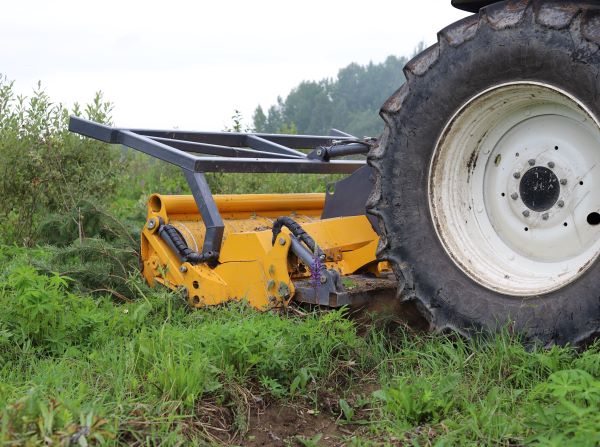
x=43, y=167
x=39, y=313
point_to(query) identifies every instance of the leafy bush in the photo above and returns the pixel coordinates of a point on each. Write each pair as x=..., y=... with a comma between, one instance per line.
x=38, y=312
x=44, y=168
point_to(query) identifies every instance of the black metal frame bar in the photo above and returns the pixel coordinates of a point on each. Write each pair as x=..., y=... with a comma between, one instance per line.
x=208, y=210
x=231, y=152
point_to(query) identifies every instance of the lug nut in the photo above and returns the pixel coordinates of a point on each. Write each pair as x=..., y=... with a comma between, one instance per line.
x=550, y=164
x=526, y=213
x=516, y=174
x=531, y=161
x=545, y=216
x=560, y=203
x=514, y=196
x=563, y=181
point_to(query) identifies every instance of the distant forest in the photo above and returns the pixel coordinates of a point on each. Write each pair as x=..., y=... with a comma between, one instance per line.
x=350, y=102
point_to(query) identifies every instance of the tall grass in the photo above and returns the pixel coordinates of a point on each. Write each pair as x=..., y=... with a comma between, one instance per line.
x=66, y=357
x=76, y=368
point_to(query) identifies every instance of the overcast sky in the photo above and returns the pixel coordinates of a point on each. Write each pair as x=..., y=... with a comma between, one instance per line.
x=189, y=64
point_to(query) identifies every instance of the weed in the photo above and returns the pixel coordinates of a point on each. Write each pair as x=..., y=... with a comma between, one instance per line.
x=313, y=441
x=564, y=409
x=347, y=410
x=349, y=283
x=419, y=401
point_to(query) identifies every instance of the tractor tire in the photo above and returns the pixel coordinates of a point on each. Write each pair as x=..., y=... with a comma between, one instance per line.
x=487, y=174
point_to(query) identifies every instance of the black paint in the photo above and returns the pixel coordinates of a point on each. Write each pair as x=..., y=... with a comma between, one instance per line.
x=539, y=188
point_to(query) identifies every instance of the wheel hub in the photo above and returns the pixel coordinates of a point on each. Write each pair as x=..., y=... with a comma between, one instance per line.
x=539, y=188
x=514, y=188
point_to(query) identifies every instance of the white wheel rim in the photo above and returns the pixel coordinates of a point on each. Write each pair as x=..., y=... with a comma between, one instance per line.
x=489, y=148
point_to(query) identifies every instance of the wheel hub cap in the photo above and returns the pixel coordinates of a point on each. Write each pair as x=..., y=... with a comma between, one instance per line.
x=539, y=189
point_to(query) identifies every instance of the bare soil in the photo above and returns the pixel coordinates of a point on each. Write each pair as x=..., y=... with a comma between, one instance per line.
x=282, y=425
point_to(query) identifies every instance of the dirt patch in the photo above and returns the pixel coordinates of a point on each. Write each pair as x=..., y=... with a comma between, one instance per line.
x=285, y=425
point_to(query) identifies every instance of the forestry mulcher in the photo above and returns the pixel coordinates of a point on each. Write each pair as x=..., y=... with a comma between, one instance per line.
x=478, y=207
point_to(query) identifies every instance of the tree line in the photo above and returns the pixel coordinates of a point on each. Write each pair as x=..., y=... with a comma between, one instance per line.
x=349, y=102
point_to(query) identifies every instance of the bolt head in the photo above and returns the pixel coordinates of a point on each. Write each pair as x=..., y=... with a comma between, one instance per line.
x=281, y=241
x=560, y=203
x=545, y=216
x=526, y=213
x=323, y=279
x=319, y=152
x=322, y=257
x=516, y=174
x=563, y=181
x=183, y=269
x=531, y=161
x=514, y=196
x=550, y=164
x=151, y=224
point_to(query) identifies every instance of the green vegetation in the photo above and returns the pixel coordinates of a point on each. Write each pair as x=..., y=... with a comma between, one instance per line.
x=89, y=369
x=89, y=355
x=144, y=369
x=45, y=169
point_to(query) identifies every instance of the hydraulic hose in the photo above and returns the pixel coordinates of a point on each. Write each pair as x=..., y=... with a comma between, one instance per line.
x=297, y=231
x=175, y=240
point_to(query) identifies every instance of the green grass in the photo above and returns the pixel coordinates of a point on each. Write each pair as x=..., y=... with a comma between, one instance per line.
x=89, y=370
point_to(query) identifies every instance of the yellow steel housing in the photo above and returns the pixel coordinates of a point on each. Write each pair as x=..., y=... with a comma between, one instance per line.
x=249, y=266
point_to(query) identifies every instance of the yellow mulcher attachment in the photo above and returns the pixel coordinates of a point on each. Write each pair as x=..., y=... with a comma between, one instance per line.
x=264, y=248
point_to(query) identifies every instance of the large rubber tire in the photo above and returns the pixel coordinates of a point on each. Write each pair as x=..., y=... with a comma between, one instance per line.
x=551, y=42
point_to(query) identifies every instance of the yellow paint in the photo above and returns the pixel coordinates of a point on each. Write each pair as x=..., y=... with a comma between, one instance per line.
x=249, y=266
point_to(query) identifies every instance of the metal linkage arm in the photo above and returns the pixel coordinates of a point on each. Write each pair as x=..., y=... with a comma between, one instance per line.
x=200, y=152
x=128, y=138
x=236, y=152
x=209, y=212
